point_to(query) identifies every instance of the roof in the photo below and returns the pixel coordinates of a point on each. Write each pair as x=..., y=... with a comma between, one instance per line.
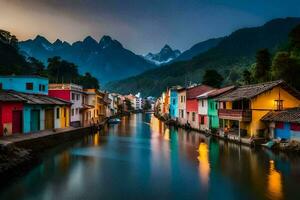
x=217, y=92
x=7, y=97
x=251, y=91
x=288, y=115
x=194, y=92
x=38, y=99
x=23, y=76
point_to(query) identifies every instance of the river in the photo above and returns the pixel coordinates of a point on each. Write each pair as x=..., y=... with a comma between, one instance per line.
x=141, y=158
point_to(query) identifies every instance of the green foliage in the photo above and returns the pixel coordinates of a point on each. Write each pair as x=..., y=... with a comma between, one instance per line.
x=287, y=68
x=294, y=37
x=263, y=65
x=247, y=77
x=88, y=81
x=212, y=78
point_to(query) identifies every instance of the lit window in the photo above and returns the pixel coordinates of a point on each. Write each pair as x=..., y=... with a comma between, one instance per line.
x=279, y=104
x=193, y=116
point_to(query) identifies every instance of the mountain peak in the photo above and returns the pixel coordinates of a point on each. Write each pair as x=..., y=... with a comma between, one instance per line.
x=57, y=42
x=89, y=39
x=40, y=38
x=106, y=41
x=166, y=55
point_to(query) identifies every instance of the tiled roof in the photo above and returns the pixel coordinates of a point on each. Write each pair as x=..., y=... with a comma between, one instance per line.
x=250, y=91
x=288, y=115
x=194, y=92
x=37, y=99
x=220, y=91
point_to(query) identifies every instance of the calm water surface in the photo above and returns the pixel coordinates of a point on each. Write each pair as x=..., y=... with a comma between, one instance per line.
x=140, y=158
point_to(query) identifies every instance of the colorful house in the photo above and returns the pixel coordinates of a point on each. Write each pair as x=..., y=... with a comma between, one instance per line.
x=11, y=114
x=28, y=83
x=72, y=93
x=208, y=107
x=283, y=124
x=242, y=109
x=42, y=112
x=174, y=102
x=192, y=104
x=39, y=111
x=182, y=119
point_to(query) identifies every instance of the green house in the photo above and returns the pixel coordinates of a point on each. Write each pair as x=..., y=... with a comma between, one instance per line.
x=212, y=111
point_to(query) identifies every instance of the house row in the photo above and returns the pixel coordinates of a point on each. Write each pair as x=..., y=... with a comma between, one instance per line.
x=29, y=104
x=269, y=109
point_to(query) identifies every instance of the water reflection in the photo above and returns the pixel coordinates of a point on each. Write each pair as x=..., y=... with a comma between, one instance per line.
x=274, y=182
x=141, y=158
x=204, y=166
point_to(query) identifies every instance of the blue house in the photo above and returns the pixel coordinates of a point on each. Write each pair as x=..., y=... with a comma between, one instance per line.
x=28, y=84
x=284, y=124
x=174, y=102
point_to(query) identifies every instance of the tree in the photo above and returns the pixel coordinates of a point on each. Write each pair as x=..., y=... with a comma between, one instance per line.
x=247, y=77
x=37, y=66
x=287, y=68
x=88, y=81
x=263, y=65
x=294, y=37
x=212, y=78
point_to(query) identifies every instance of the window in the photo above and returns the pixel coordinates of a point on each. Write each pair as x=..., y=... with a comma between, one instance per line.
x=193, y=116
x=279, y=125
x=57, y=113
x=279, y=104
x=202, y=103
x=216, y=106
x=295, y=127
x=40, y=87
x=181, y=99
x=77, y=111
x=202, y=120
x=77, y=97
x=72, y=111
x=173, y=101
x=224, y=105
x=43, y=87
x=1, y=86
x=65, y=112
x=29, y=86
x=73, y=96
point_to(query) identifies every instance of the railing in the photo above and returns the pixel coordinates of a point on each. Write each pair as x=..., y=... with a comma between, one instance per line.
x=235, y=114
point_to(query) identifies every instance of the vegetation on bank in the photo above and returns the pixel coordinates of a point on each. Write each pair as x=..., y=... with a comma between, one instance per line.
x=57, y=70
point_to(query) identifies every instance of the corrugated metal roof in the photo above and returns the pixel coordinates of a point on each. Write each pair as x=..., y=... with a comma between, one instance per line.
x=7, y=97
x=37, y=99
x=288, y=115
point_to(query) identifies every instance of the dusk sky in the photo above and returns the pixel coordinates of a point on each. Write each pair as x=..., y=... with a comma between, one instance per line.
x=140, y=25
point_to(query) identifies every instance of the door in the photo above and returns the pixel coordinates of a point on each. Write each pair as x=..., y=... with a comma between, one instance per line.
x=35, y=120
x=17, y=121
x=49, y=118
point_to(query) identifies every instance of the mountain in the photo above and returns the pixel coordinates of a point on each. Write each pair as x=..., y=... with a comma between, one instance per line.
x=230, y=57
x=166, y=55
x=198, y=49
x=107, y=59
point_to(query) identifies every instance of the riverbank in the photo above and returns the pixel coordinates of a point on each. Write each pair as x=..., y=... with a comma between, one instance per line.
x=291, y=147
x=20, y=152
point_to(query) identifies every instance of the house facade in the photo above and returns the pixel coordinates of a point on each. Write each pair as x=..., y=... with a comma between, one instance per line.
x=193, y=118
x=174, y=102
x=182, y=119
x=72, y=93
x=283, y=124
x=241, y=110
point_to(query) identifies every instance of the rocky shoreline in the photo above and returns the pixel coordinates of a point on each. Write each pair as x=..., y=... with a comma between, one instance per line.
x=15, y=161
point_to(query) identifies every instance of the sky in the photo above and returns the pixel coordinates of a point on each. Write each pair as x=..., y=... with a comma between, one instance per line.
x=140, y=25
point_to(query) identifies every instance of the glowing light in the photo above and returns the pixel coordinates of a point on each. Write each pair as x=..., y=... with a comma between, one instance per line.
x=204, y=166
x=274, y=182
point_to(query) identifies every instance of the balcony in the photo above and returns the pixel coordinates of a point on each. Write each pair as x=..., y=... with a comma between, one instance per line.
x=235, y=114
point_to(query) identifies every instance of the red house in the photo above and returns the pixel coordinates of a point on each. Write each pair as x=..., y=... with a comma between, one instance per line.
x=192, y=103
x=11, y=114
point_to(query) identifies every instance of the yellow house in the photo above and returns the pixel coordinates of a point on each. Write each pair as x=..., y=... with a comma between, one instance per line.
x=64, y=116
x=93, y=99
x=241, y=110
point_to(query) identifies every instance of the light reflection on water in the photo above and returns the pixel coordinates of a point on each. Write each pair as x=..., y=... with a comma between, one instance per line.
x=141, y=158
